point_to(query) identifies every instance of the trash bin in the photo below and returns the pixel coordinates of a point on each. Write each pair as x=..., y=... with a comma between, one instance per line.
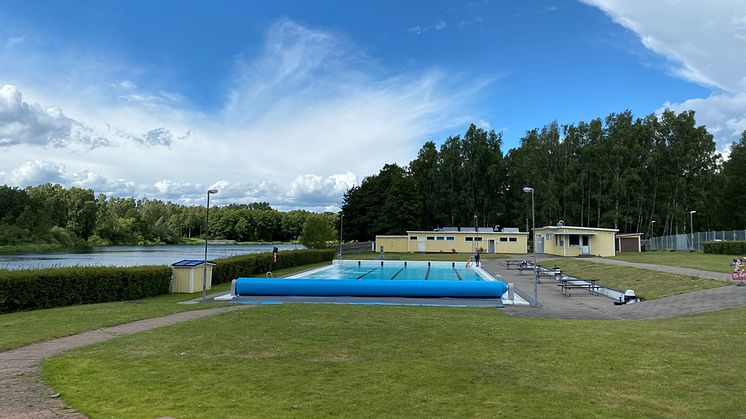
x=187, y=275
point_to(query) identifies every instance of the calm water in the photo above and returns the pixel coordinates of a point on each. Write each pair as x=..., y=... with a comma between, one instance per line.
x=133, y=255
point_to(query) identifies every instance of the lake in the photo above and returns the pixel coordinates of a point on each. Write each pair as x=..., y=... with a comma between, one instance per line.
x=133, y=255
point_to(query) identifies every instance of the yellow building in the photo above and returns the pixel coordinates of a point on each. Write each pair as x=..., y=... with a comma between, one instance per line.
x=455, y=240
x=563, y=240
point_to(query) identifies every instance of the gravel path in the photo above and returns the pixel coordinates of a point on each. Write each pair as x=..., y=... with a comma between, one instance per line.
x=23, y=394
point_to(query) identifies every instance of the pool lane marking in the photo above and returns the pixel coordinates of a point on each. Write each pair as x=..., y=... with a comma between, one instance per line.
x=427, y=274
x=397, y=273
x=458, y=275
x=367, y=272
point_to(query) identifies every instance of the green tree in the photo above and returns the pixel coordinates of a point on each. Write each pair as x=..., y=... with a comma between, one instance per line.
x=317, y=231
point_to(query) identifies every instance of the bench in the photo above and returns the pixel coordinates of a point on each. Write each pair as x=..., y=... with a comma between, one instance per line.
x=521, y=264
x=567, y=284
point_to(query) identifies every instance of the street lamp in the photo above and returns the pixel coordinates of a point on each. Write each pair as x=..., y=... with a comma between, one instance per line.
x=476, y=230
x=533, y=227
x=691, y=226
x=207, y=234
x=341, y=229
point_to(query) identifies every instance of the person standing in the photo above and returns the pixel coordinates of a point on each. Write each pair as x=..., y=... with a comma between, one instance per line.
x=476, y=258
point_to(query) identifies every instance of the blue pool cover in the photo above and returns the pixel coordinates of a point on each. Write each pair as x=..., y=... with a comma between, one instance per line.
x=370, y=288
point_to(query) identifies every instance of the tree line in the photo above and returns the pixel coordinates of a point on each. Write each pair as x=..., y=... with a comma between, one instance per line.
x=52, y=214
x=634, y=174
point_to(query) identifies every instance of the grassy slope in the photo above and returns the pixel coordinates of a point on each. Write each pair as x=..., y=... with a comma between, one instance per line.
x=646, y=283
x=23, y=328
x=352, y=361
x=694, y=260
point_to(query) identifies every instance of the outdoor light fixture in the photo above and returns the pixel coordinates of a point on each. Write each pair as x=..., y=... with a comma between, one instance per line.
x=207, y=233
x=691, y=226
x=528, y=189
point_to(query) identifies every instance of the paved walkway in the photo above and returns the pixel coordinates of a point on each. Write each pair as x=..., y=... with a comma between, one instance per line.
x=552, y=304
x=664, y=268
x=23, y=394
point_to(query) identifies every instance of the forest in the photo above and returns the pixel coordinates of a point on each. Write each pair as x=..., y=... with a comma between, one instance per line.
x=51, y=214
x=634, y=174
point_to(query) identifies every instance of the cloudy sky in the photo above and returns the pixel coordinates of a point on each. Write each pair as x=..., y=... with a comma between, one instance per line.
x=294, y=102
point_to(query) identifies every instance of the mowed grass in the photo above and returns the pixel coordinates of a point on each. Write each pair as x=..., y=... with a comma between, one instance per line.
x=23, y=328
x=646, y=283
x=362, y=361
x=693, y=260
x=423, y=256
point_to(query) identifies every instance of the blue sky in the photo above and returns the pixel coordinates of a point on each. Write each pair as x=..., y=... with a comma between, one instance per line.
x=293, y=102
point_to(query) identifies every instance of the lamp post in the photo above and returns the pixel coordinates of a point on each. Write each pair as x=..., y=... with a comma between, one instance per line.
x=651, y=231
x=207, y=234
x=691, y=226
x=528, y=189
x=476, y=230
x=341, y=229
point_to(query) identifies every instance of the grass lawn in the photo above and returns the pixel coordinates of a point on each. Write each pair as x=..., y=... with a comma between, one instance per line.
x=646, y=283
x=25, y=327
x=694, y=260
x=423, y=256
x=362, y=361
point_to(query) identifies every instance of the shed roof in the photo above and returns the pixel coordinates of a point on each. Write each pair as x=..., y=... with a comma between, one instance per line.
x=191, y=263
x=629, y=235
x=577, y=228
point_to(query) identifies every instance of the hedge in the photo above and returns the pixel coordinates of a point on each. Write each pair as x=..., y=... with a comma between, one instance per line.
x=726, y=247
x=47, y=288
x=260, y=263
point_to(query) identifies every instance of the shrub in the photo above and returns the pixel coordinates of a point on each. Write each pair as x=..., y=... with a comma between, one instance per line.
x=259, y=263
x=47, y=288
x=726, y=247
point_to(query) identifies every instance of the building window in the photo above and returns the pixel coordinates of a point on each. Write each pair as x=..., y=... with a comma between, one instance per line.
x=574, y=240
x=468, y=238
x=477, y=239
x=412, y=237
x=503, y=239
x=548, y=237
x=440, y=238
x=431, y=237
x=450, y=238
x=512, y=239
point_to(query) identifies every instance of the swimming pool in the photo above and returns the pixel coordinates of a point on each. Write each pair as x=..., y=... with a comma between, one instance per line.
x=396, y=270
x=380, y=279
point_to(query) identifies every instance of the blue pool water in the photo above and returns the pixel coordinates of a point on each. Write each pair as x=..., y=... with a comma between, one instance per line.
x=396, y=270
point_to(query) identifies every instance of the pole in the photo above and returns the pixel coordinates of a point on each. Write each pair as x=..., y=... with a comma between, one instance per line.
x=341, y=229
x=536, y=270
x=207, y=234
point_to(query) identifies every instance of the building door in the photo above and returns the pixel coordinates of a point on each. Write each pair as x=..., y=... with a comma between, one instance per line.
x=539, y=244
x=491, y=246
x=586, y=249
x=421, y=245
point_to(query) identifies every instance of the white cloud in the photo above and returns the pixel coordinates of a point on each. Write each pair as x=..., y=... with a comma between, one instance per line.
x=304, y=118
x=704, y=42
x=34, y=173
x=24, y=123
x=440, y=25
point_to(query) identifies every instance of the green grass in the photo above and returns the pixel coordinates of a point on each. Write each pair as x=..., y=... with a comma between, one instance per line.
x=646, y=283
x=361, y=361
x=422, y=256
x=23, y=328
x=694, y=260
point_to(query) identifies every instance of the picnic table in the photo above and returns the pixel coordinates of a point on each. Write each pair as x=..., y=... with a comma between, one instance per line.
x=568, y=283
x=520, y=263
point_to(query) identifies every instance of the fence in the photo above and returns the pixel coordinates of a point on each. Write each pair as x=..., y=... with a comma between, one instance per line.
x=356, y=247
x=693, y=241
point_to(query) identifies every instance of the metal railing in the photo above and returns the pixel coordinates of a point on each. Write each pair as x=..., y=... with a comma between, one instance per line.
x=693, y=241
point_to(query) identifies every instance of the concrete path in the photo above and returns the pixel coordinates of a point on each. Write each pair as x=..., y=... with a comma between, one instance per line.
x=23, y=394
x=664, y=268
x=581, y=305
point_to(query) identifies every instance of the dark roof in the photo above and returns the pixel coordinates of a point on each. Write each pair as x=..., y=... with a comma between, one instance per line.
x=192, y=263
